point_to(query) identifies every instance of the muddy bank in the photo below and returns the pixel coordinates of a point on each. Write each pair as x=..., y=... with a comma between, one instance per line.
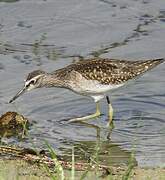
x=19, y=169
x=24, y=163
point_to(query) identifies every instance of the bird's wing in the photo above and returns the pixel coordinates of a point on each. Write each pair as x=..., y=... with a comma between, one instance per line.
x=109, y=71
x=106, y=72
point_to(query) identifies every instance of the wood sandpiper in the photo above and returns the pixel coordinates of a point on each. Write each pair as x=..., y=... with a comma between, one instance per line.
x=91, y=77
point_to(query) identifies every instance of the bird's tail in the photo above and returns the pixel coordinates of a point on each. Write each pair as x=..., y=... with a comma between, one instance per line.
x=152, y=63
x=146, y=65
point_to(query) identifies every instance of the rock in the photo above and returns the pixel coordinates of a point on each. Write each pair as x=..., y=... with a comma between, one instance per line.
x=12, y=124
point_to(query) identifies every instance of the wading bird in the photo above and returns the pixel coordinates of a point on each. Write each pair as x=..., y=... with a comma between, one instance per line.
x=91, y=77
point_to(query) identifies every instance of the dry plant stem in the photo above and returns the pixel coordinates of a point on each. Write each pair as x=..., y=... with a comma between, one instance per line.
x=45, y=160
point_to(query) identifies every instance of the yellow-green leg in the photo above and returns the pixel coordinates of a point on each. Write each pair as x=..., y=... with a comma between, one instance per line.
x=96, y=114
x=110, y=113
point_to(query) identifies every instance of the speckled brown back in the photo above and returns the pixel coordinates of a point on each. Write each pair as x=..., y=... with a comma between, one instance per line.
x=109, y=71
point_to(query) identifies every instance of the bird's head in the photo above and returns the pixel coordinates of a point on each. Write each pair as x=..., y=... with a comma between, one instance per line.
x=33, y=80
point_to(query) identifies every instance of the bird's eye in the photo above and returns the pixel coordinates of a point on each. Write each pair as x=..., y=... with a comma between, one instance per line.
x=32, y=82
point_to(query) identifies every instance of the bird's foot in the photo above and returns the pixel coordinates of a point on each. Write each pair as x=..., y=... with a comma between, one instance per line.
x=97, y=114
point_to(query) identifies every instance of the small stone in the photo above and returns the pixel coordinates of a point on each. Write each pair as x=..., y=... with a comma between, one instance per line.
x=12, y=123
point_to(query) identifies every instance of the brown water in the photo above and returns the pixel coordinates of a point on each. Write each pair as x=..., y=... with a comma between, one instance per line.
x=48, y=34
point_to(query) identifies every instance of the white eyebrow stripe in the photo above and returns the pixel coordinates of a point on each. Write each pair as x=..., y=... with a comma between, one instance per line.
x=33, y=79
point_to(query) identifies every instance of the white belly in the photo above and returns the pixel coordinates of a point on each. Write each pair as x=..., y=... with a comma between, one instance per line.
x=92, y=88
x=89, y=87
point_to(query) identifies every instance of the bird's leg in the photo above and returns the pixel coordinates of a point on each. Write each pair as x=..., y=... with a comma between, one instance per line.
x=110, y=113
x=96, y=114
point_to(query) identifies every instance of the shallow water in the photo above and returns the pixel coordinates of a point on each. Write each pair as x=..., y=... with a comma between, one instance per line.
x=50, y=34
